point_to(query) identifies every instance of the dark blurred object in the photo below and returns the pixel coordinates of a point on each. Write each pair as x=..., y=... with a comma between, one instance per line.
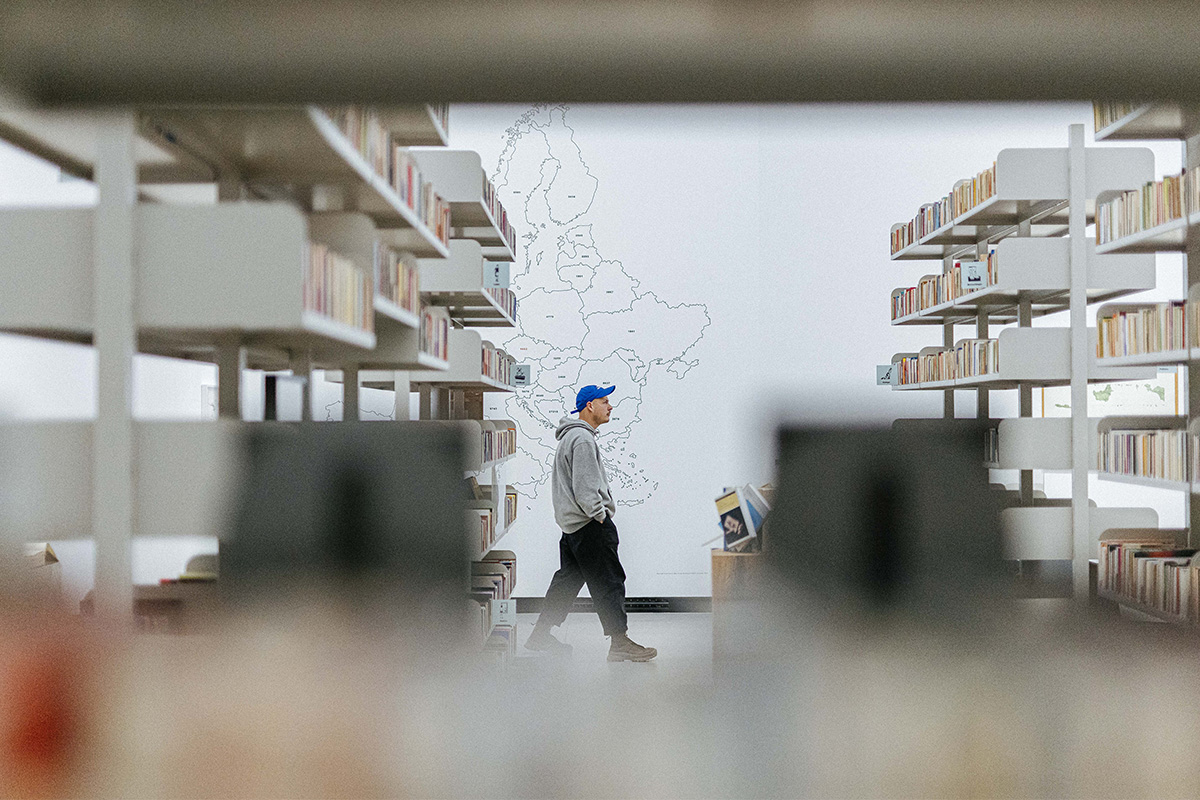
x=367, y=511
x=124, y=51
x=891, y=521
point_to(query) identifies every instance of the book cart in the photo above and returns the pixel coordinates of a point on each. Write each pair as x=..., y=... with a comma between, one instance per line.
x=1142, y=568
x=281, y=272
x=1012, y=246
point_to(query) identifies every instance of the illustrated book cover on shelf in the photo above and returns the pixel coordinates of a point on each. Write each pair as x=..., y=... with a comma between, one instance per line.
x=736, y=519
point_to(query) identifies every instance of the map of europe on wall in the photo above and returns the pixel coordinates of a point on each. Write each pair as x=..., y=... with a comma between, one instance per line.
x=582, y=316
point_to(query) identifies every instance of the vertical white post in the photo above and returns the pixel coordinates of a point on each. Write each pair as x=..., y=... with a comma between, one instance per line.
x=350, y=392
x=113, y=457
x=403, y=397
x=231, y=362
x=1080, y=356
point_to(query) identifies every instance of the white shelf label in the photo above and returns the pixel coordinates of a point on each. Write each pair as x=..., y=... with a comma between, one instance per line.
x=974, y=274
x=495, y=275
x=884, y=375
x=504, y=612
x=522, y=374
x=1167, y=368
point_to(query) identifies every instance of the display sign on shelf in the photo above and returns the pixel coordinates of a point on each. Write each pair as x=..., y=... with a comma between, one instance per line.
x=504, y=612
x=522, y=374
x=495, y=275
x=974, y=274
x=884, y=375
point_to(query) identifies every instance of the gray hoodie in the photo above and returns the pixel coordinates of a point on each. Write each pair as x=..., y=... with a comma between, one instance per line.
x=581, y=492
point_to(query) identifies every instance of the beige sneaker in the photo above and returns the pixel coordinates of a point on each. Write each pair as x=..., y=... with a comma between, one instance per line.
x=625, y=649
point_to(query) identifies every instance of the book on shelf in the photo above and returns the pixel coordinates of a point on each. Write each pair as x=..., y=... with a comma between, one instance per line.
x=1154, y=204
x=1155, y=328
x=483, y=522
x=435, y=331
x=492, y=201
x=511, y=500
x=1144, y=453
x=963, y=196
x=1105, y=113
x=1115, y=570
x=335, y=288
x=495, y=363
x=398, y=278
x=441, y=112
x=963, y=277
x=365, y=131
x=506, y=299
x=499, y=442
x=969, y=358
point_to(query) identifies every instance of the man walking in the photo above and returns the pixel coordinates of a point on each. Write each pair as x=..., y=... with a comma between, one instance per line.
x=587, y=552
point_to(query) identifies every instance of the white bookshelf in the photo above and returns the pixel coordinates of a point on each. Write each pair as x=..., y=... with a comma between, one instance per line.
x=459, y=178
x=206, y=275
x=1033, y=356
x=1039, y=269
x=1169, y=237
x=456, y=284
x=186, y=479
x=1150, y=121
x=1045, y=533
x=1032, y=188
x=1039, y=443
x=466, y=367
x=1151, y=423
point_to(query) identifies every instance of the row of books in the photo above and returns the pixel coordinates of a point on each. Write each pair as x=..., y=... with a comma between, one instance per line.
x=398, y=278
x=492, y=201
x=334, y=287
x=435, y=332
x=506, y=299
x=1154, y=204
x=969, y=358
x=364, y=130
x=1106, y=113
x=496, y=364
x=441, y=112
x=1147, y=329
x=1152, y=570
x=499, y=440
x=964, y=277
x=484, y=492
x=1144, y=453
x=963, y=196
x=482, y=524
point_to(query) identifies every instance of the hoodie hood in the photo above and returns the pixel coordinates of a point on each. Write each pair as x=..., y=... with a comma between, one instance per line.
x=567, y=423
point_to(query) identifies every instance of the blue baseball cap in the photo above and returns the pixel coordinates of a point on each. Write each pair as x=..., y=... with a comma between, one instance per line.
x=589, y=393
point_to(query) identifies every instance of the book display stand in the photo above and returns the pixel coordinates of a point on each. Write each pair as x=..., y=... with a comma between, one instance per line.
x=277, y=266
x=1023, y=244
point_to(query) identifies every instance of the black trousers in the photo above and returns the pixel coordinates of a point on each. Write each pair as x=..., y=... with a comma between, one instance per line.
x=589, y=555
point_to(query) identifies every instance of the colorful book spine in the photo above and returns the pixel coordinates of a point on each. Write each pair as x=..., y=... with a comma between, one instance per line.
x=506, y=299
x=934, y=290
x=1149, y=329
x=976, y=357
x=441, y=112
x=492, y=201
x=1144, y=453
x=335, y=288
x=398, y=278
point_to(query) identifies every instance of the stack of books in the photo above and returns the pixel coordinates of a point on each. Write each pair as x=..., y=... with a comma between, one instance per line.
x=965, y=195
x=1144, y=453
x=435, y=332
x=1151, y=329
x=974, y=357
x=335, y=288
x=1106, y=113
x=499, y=443
x=397, y=278
x=1154, y=204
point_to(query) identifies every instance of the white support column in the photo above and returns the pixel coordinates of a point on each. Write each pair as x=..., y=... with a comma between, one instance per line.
x=231, y=363
x=403, y=397
x=113, y=456
x=302, y=368
x=350, y=392
x=948, y=394
x=1080, y=356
